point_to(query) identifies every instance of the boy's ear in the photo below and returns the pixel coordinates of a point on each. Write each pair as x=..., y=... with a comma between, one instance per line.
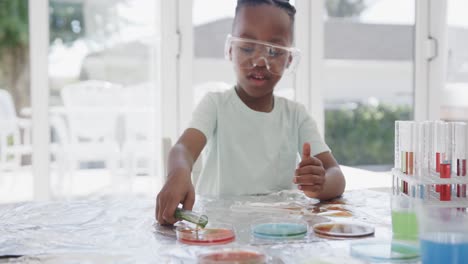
x=290, y=58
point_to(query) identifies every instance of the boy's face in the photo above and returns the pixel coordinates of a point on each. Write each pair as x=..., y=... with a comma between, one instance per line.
x=265, y=23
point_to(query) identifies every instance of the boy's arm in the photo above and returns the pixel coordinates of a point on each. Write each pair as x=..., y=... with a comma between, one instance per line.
x=178, y=187
x=334, y=179
x=319, y=176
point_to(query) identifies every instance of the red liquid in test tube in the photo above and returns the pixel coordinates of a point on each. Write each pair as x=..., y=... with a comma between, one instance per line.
x=409, y=168
x=437, y=169
x=461, y=171
x=410, y=163
x=404, y=169
x=459, y=152
x=405, y=184
x=445, y=189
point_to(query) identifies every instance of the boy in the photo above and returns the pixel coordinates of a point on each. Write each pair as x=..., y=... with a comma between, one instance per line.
x=253, y=138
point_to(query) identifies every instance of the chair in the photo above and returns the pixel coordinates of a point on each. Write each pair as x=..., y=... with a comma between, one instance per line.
x=15, y=136
x=91, y=111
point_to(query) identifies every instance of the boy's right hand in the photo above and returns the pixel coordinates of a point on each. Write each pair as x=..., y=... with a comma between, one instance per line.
x=178, y=189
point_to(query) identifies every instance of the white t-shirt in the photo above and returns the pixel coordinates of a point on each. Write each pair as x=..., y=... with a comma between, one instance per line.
x=251, y=152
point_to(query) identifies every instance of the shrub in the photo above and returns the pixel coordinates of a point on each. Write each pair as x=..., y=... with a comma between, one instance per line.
x=363, y=135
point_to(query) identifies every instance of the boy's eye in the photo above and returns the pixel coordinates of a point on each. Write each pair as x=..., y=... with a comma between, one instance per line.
x=273, y=52
x=246, y=49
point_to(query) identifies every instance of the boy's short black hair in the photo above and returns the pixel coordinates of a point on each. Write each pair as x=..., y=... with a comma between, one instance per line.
x=283, y=4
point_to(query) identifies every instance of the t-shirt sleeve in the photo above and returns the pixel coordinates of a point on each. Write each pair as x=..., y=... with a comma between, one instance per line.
x=205, y=115
x=308, y=132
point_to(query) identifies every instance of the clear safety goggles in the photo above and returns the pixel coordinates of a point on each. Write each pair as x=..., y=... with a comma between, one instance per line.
x=248, y=54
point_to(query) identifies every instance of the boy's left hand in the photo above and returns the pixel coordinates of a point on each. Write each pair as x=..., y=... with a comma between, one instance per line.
x=310, y=174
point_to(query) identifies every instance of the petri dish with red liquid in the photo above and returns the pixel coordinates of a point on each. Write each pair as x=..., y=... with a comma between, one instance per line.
x=213, y=235
x=233, y=256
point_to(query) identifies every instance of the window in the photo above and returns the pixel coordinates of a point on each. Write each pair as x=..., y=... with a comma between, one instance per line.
x=15, y=124
x=368, y=82
x=103, y=96
x=454, y=102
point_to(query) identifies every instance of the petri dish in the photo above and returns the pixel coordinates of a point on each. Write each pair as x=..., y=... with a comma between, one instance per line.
x=385, y=251
x=279, y=229
x=205, y=236
x=336, y=214
x=165, y=230
x=232, y=256
x=343, y=229
x=330, y=260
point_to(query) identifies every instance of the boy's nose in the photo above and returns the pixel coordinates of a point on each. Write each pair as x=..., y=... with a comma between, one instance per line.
x=260, y=62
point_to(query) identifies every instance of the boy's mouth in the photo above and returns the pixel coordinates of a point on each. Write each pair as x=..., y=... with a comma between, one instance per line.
x=258, y=77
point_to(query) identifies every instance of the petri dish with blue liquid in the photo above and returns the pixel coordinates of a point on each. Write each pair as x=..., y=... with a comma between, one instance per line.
x=386, y=251
x=279, y=229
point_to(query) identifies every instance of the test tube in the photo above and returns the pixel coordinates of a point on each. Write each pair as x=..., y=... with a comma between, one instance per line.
x=398, y=157
x=423, y=156
x=425, y=149
x=459, y=155
x=397, y=161
x=437, y=147
x=444, y=141
x=192, y=217
x=439, y=137
x=413, y=154
x=404, y=137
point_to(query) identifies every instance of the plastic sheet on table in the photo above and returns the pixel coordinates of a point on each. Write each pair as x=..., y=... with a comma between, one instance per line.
x=103, y=229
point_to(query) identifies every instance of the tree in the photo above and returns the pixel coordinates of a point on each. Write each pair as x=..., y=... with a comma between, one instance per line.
x=14, y=42
x=14, y=51
x=67, y=24
x=345, y=8
x=364, y=135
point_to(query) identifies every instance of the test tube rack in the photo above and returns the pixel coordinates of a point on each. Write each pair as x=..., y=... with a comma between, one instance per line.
x=430, y=162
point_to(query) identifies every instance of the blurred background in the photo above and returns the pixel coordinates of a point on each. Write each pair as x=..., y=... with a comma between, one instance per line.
x=124, y=76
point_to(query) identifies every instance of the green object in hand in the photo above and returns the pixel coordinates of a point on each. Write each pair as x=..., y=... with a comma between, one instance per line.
x=192, y=217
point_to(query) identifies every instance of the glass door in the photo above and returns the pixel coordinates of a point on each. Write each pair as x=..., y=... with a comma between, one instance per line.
x=104, y=97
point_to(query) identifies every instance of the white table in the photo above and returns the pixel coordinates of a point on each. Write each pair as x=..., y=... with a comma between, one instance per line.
x=121, y=229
